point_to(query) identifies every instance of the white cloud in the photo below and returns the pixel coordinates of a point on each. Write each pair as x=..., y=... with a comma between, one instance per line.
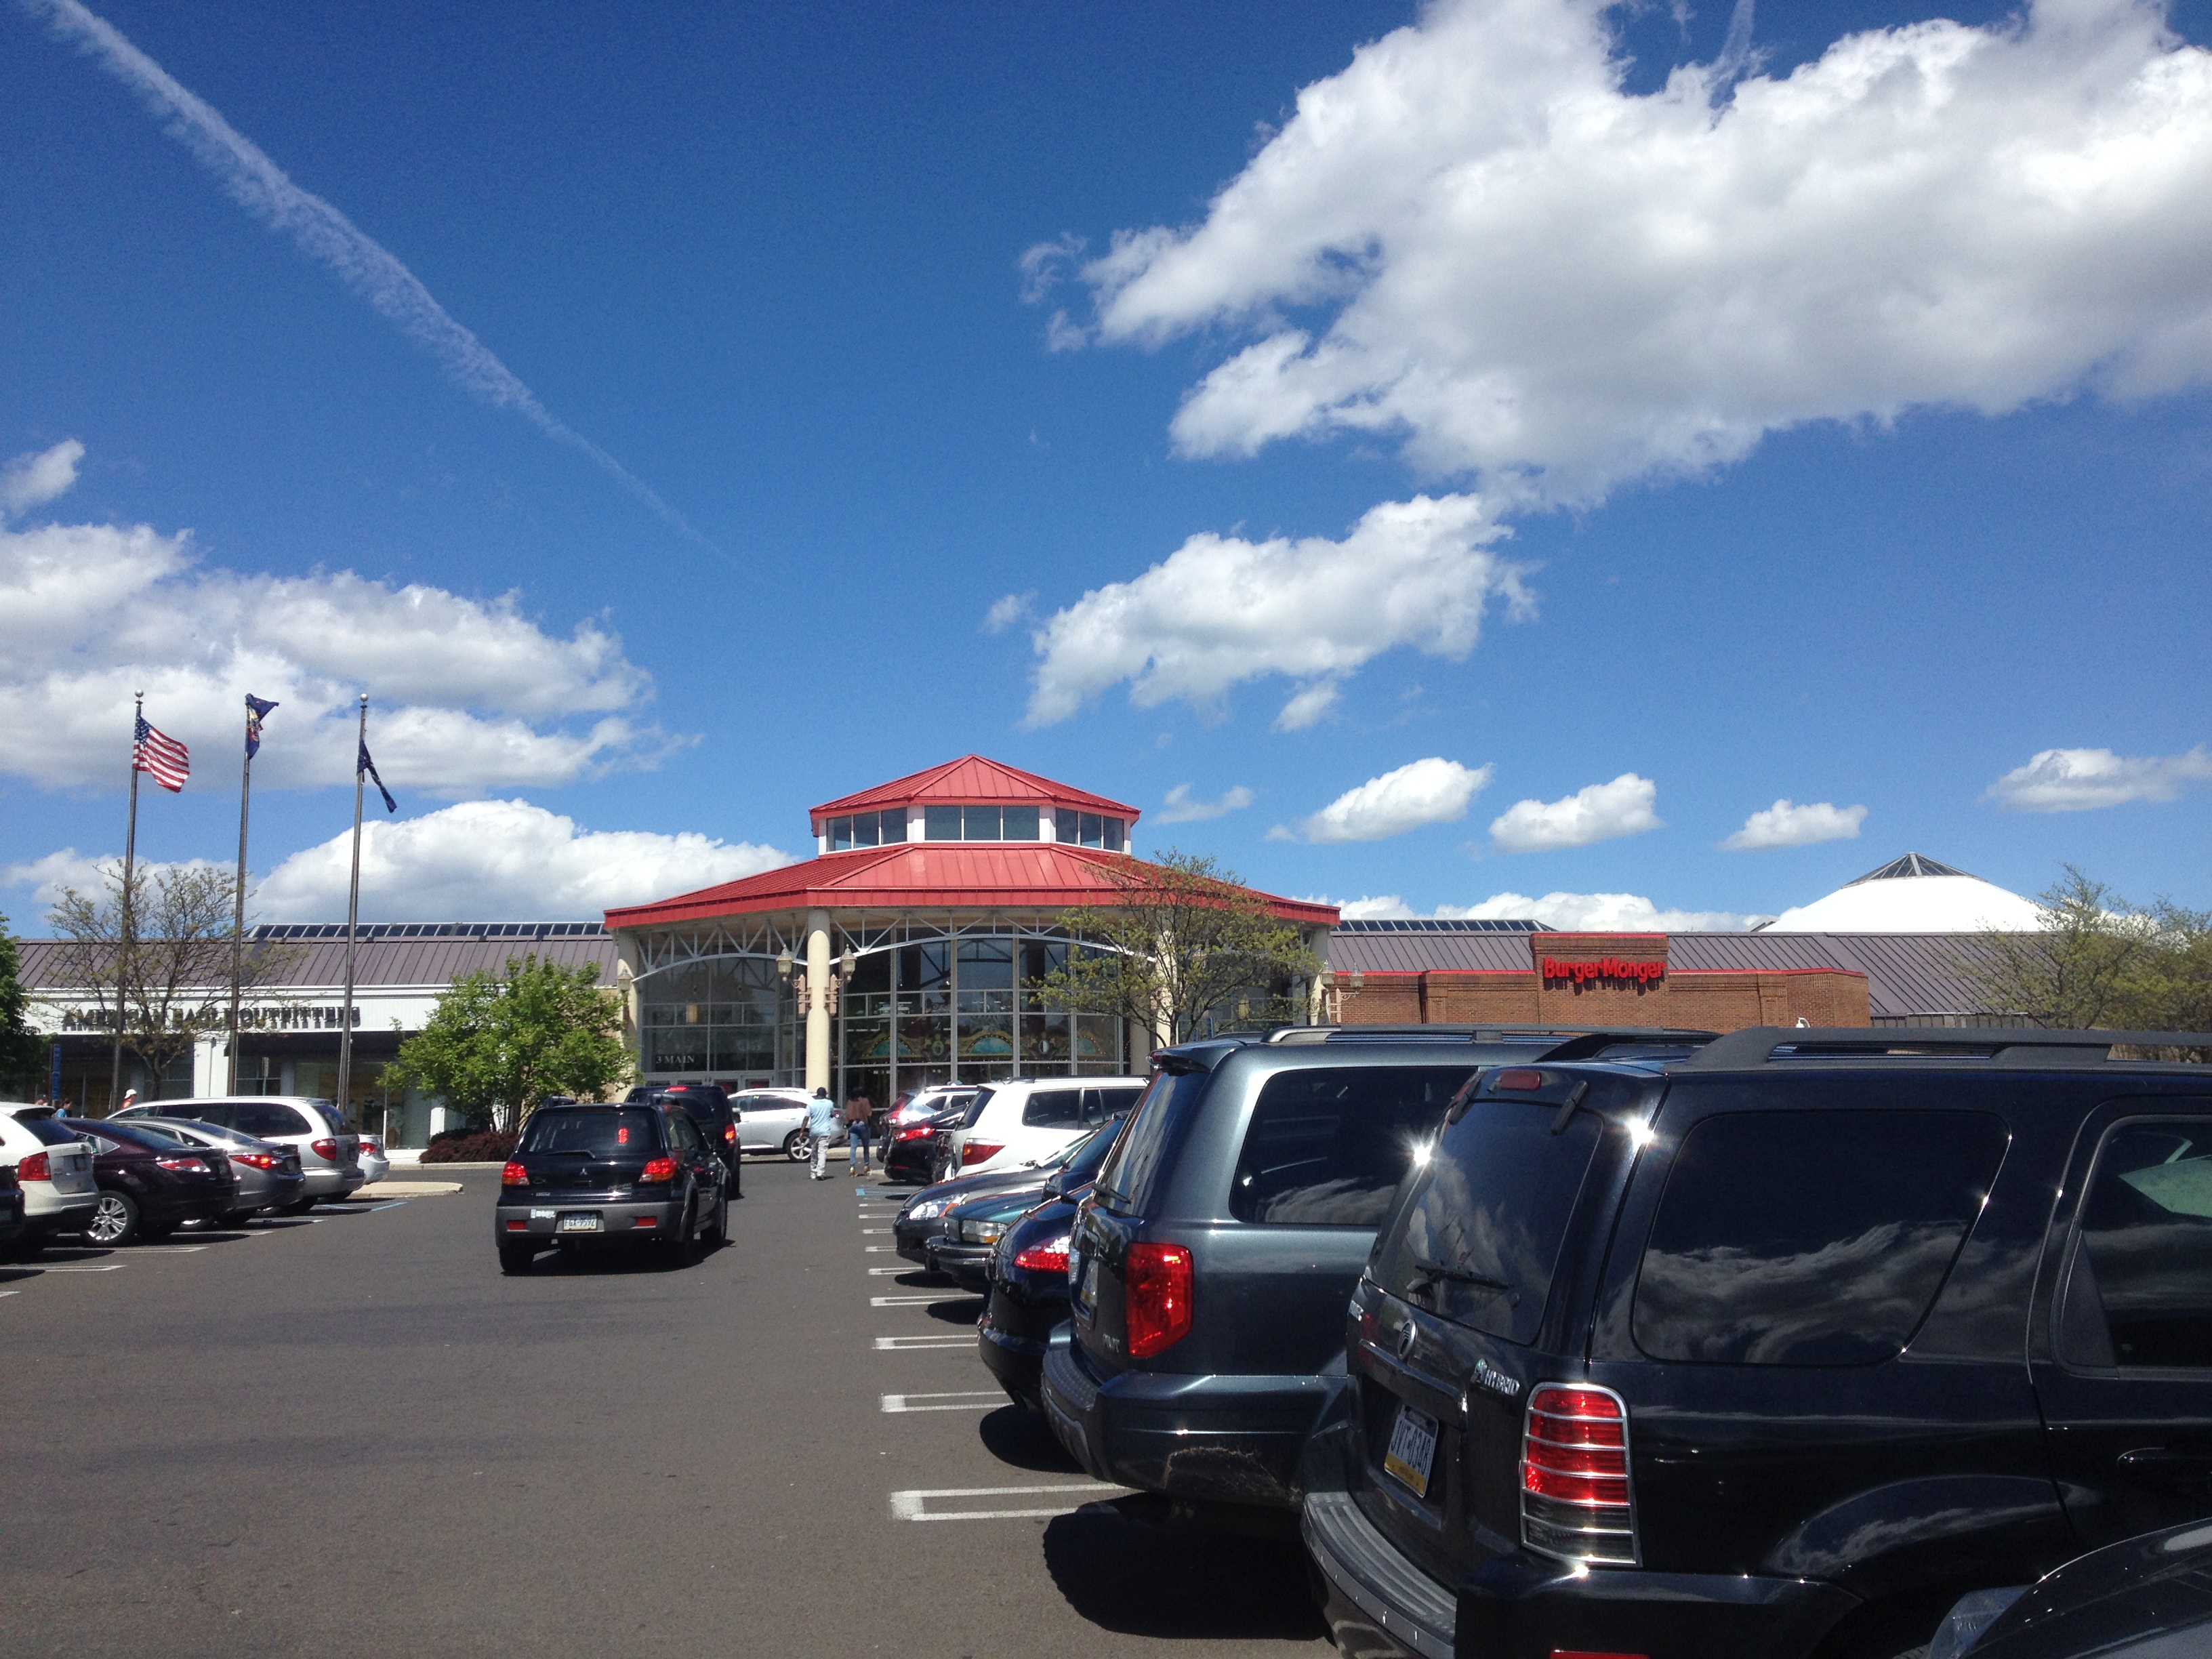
x=2080, y=780
x=35, y=477
x=1785, y=824
x=1221, y=610
x=1005, y=612
x=1422, y=791
x=328, y=237
x=1181, y=809
x=48, y=878
x=1473, y=239
x=468, y=695
x=499, y=861
x=1572, y=912
x=1307, y=706
x=1601, y=813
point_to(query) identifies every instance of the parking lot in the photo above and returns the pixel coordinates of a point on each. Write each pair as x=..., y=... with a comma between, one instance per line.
x=351, y=1434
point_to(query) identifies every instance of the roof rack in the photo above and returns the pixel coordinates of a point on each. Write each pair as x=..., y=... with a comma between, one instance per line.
x=1575, y=1041
x=2033, y=1047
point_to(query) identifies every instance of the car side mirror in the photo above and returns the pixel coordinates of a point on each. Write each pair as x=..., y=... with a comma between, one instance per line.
x=1056, y=1184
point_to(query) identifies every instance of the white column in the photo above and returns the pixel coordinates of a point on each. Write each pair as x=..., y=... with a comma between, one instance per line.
x=818, y=1000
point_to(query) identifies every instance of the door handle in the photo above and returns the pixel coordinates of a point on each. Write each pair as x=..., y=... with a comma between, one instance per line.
x=2168, y=1469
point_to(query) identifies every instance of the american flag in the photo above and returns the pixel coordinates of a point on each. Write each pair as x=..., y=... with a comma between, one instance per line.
x=169, y=760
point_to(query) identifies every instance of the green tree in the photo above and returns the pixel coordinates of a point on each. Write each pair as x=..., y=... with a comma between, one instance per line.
x=1181, y=941
x=2099, y=961
x=22, y=1051
x=497, y=1044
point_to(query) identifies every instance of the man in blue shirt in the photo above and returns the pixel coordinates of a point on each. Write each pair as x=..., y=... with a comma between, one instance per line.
x=822, y=1117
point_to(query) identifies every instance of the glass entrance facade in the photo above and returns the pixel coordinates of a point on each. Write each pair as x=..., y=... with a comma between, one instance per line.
x=911, y=1014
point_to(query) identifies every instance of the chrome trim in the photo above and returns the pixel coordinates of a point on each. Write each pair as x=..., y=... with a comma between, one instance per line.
x=1577, y=1516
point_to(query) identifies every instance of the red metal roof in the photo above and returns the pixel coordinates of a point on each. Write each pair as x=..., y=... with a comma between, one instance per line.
x=972, y=778
x=1039, y=875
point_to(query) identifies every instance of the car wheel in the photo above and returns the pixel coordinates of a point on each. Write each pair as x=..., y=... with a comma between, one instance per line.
x=235, y=1219
x=795, y=1147
x=114, y=1219
x=299, y=1206
x=681, y=1248
x=515, y=1258
x=718, y=1230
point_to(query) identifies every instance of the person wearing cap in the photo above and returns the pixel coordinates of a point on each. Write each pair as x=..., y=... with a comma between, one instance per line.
x=821, y=1124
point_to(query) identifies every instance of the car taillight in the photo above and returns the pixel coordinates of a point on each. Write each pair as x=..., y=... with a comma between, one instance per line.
x=914, y=1132
x=196, y=1165
x=1046, y=1258
x=657, y=1171
x=730, y=1133
x=1576, y=1498
x=514, y=1175
x=326, y=1149
x=37, y=1167
x=1156, y=1291
x=976, y=1151
x=371, y=1148
x=258, y=1160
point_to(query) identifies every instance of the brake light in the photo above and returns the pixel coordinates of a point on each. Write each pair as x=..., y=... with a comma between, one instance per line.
x=1046, y=1258
x=977, y=1152
x=1156, y=1290
x=1577, y=1500
x=37, y=1167
x=257, y=1160
x=730, y=1132
x=196, y=1165
x=326, y=1149
x=1519, y=1077
x=513, y=1175
x=914, y=1132
x=657, y=1171
x=518, y=1227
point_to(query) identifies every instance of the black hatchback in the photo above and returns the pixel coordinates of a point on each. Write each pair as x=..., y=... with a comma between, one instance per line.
x=708, y=1106
x=639, y=1174
x=1773, y=1350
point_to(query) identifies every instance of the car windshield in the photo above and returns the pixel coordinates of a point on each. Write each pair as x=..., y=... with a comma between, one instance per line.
x=607, y=1132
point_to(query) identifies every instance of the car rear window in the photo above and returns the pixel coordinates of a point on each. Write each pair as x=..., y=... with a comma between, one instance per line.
x=261, y=1117
x=975, y=1109
x=145, y=1137
x=1142, y=1155
x=609, y=1132
x=1810, y=1238
x=48, y=1131
x=1053, y=1109
x=2144, y=1270
x=1328, y=1148
x=1478, y=1237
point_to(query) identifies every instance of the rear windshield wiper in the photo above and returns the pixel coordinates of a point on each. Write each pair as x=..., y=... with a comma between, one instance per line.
x=1426, y=1274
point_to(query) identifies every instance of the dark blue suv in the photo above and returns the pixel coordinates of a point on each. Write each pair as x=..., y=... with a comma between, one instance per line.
x=1209, y=1269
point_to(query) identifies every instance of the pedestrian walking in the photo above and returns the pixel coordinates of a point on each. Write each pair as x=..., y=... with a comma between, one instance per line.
x=130, y=1099
x=859, y=1131
x=821, y=1124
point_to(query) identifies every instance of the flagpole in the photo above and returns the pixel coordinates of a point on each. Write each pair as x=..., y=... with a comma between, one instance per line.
x=238, y=911
x=353, y=920
x=123, y=955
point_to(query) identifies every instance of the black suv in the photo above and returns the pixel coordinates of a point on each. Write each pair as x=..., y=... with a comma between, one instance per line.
x=640, y=1173
x=1774, y=1350
x=711, y=1113
x=1209, y=1268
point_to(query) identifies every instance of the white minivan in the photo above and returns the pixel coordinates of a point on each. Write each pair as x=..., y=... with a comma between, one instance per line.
x=1026, y=1119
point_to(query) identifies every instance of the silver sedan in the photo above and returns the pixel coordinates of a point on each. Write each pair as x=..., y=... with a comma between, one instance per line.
x=269, y=1174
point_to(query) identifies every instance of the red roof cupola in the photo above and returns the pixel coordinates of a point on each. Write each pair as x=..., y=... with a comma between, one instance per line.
x=971, y=779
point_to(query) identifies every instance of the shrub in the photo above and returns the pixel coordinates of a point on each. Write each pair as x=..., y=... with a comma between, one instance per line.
x=470, y=1146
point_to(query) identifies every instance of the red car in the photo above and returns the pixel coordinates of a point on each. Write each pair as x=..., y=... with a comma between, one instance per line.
x=151, y=1184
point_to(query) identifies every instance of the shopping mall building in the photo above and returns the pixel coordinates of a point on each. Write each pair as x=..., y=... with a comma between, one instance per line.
x=905, y=951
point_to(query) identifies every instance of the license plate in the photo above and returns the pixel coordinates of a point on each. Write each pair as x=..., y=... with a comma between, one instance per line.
x=574, y=1223
x=1089, y=1296
x=1413, y=1450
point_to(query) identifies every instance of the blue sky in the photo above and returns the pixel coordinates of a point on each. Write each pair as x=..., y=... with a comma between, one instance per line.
x=1771, y=542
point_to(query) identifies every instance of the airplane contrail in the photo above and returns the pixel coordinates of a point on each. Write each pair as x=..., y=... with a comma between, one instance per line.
x=262, y=187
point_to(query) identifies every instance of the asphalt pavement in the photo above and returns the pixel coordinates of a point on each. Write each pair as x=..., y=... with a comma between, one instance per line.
x=353, y=1435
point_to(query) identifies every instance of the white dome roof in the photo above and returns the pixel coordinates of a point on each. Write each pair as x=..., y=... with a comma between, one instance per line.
x=1913, y=894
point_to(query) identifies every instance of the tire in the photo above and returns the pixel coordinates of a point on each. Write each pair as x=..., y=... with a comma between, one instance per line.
x=796, y=1147
x=515, y=1258
x=235, y=1219
x=114, y=1219
x=681, y=1248
x=298, y=1207
x=718, y=1230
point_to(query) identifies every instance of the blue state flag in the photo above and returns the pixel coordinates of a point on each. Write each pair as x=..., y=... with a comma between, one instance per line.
x=255, y=708
x=365, y=766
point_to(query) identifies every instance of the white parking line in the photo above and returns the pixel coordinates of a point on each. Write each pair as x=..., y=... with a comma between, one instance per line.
x=913, y=1301
x=865, y=1231
x=71, y=1268
x=966, y=1400
x=393, y=1205
x=882, y=1249
x=914, y=1505
x=901, y=1344
x=167, y=1249
x=19, y=1293
x=884, y=1273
